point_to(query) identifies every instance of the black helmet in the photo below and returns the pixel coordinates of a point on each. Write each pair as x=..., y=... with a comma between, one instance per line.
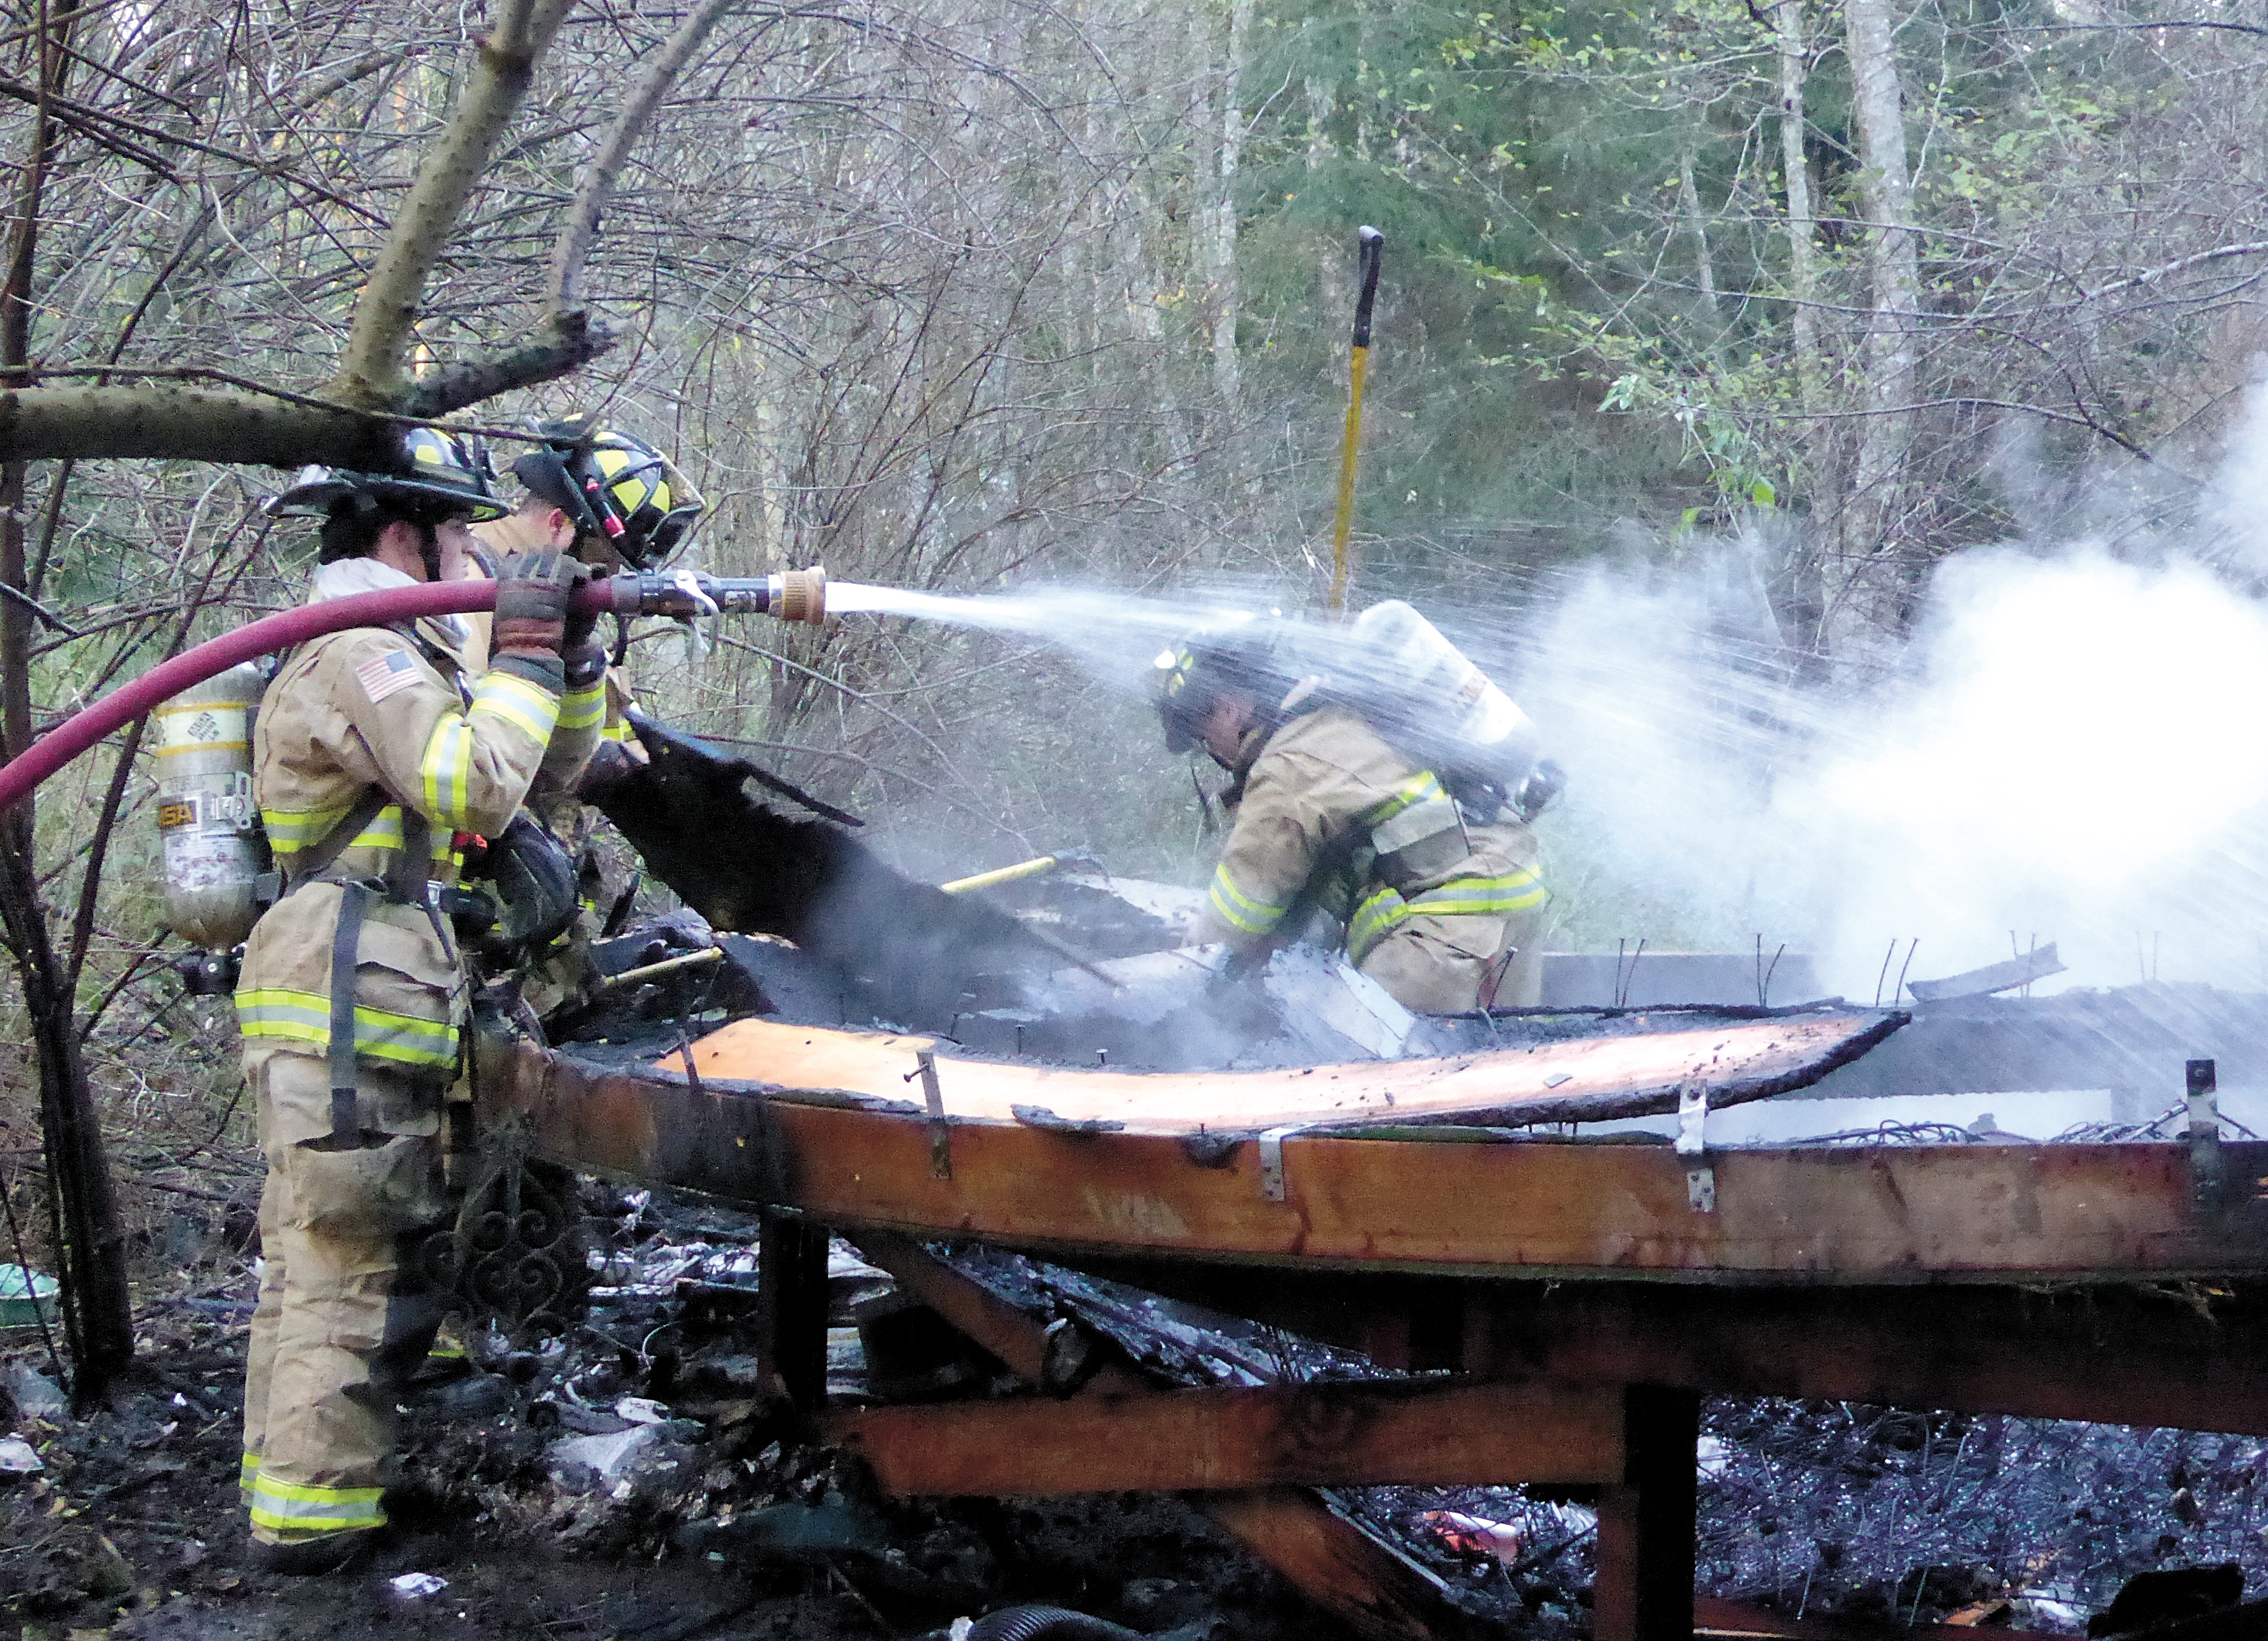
x=1248, y=659
x=614, y=486
x=443, y=474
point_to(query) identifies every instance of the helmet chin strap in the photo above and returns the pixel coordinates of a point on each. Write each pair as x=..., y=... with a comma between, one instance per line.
x=428, y=549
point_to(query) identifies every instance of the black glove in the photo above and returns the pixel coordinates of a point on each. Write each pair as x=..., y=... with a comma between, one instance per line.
x=581, y=624
x=586, y=662
x=531, y=606
x=1537, y=793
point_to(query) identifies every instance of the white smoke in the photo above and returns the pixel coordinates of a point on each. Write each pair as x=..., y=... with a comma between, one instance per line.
x=2236, y=510
x=2070, y=748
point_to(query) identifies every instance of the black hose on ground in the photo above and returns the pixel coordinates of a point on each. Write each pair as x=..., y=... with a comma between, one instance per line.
x=1046, y=1623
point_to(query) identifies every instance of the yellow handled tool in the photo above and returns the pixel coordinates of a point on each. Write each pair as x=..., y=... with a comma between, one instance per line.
x=1002, y=874
x=1372, y=249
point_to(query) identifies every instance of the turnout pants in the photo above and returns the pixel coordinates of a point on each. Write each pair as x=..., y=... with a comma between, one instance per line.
x=340, y=1325
x=1449, y=965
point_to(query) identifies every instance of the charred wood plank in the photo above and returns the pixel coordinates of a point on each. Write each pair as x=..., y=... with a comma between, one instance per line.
x=1576, y=1079
x=1368, y=1585
x=792, y=1308
x=2127, y=1354
x=1823, y=1216
x=1714, y=1618
x=1204, y=1440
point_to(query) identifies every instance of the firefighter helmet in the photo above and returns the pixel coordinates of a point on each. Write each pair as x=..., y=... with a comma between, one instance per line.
x=442, y=473
x=614, y=486
x=1186, y=679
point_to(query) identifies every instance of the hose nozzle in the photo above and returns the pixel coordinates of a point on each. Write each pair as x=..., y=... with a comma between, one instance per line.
x=796, y=595
x=801, y=595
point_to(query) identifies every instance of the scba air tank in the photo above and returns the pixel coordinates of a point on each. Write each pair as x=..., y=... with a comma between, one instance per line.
x=206, y=818
x=1427, y=697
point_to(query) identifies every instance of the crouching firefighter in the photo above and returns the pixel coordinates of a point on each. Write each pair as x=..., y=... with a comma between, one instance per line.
x=381, y=755
x=1439, y=890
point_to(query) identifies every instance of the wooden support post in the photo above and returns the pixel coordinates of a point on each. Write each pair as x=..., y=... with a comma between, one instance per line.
x=1644, y=1588
x=792, y=1307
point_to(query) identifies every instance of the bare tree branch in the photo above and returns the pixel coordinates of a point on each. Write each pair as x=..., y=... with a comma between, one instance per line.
x=598, y=178
x=560, y=343
x=370, y=374
x=191, y=423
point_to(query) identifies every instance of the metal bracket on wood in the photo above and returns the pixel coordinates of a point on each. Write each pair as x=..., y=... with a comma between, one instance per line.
x=2204, y=1133
x=1272, y=1162
x=940, y=1132
x=1692, y=1118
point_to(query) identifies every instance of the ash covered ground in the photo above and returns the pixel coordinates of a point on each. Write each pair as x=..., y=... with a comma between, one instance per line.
x=642, y=1485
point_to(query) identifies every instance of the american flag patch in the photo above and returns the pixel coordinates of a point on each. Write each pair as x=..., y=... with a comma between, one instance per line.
x=386, y=675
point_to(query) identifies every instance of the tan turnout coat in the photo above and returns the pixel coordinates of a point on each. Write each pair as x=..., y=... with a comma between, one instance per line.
x=1436, y=907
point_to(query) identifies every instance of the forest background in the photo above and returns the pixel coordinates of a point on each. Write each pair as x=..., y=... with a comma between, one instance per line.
x=1788, y=302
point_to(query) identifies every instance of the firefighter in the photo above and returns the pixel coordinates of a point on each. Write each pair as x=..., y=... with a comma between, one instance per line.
x=1442, y=901
x=380, y=755
x=616, y=502
x=612, y=500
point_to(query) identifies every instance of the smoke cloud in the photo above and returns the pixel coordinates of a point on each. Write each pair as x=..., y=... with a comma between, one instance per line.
x=2068, y=749
x=2065, y=750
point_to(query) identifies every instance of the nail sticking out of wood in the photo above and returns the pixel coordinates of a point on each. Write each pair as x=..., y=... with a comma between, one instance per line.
x=940, y=1132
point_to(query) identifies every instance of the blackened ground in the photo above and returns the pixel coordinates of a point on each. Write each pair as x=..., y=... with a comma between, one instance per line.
x=719, y=1527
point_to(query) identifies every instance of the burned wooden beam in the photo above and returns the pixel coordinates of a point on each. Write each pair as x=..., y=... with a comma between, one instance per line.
x=2037, y=964
x=1643, y=1588
x=2125, y=1354
x=1736, y=1621
x=1370, y=1586
x=1619, y=1065
x=792, y=1308
x=1157, y=1441
x=1403, y=1198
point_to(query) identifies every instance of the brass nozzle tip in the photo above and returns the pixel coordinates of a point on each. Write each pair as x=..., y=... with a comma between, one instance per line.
x=803, y=595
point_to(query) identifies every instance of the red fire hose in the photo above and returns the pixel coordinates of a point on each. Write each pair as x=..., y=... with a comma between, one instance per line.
x=793, y=595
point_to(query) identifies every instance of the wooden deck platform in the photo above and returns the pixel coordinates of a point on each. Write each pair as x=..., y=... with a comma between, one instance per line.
x=1572, y=1299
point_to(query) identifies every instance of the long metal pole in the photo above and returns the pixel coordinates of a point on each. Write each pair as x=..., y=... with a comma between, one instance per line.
x=1371, y=249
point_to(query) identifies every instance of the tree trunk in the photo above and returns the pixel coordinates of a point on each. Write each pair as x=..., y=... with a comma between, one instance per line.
x=1705, y=265
x=1225, y=302
x=1888, y=369
x=1799, y=599
x=1795, y=169
x=98, y=1306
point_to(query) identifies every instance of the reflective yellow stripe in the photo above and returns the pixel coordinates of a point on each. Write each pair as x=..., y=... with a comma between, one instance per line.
x=446, y=772
x=1419, y=788
x=292, y=831
x=525, y=706
x=1239, y=909
x=583, y=709
x=1383, y=910
x=288, y=1506
x=277, y=1011
x=619, y=730
x=1483, y=897
x=289, y=834
x=1414, y=824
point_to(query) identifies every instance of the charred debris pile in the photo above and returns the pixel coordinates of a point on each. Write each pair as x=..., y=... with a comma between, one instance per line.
x=645, y=1455
x=1076, y=968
